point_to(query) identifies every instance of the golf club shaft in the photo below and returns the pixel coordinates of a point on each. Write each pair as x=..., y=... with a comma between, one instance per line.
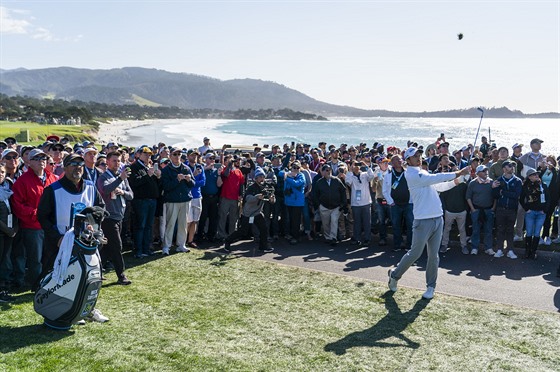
x=477, y=131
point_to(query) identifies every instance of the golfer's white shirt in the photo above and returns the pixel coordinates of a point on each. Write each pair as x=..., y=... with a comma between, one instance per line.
x=424, y=188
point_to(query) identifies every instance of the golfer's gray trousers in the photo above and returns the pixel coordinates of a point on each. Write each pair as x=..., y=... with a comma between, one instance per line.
x=426, y=232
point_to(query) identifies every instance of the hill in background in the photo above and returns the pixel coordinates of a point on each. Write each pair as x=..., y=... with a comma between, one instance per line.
x=152, y=87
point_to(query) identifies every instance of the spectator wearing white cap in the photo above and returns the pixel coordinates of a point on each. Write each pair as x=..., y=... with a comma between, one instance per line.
x=517, y=151
x=90, y=171
x=428, y=222
x=10, y=158
x=206, y=147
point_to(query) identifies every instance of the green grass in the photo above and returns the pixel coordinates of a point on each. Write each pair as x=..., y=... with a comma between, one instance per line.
x=144, y=102
x=39, y=132
x=201, y=312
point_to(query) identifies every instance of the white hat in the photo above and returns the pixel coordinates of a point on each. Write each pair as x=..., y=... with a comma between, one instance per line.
x=411, y=151
x=8, y=151
x=35, y=152
x=90, y=149
x=481, y=168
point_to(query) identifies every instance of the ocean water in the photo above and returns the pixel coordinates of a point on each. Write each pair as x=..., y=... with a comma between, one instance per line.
x=389, y=131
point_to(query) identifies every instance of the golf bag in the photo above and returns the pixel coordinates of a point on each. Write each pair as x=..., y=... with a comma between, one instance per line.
x=68, y=293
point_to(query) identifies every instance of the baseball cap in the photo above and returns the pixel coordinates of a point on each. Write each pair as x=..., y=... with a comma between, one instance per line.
x=36, y=152
x=531, y=171
x=411, y=151
x=8, y=151
x=481, y=168
x=516, y=145
x=57, y=145
x=536, y=140
x=508, y=162
x=70, y=158
x=90, y=149
x=325, y=167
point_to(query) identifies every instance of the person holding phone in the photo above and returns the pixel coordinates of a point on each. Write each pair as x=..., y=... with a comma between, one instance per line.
x=210, y=198
x=177, y=183
x=115, y=191
x=195, y=208
x=144, y=183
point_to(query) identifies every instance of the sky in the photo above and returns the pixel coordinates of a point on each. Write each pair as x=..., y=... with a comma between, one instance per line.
x=394, y=55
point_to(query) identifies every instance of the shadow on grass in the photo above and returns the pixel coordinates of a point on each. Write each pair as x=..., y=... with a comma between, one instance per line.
x=219, y=258
x=15, y=338
x=391, y=325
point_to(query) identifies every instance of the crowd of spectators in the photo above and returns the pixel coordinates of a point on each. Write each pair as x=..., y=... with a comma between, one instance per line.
x=162, y=197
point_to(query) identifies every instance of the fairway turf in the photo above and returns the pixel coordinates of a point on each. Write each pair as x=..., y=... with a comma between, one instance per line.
x=39, y=132
x=206, y=312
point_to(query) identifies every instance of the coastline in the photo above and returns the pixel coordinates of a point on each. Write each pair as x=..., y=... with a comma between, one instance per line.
x=188, y=133
x=118, y=130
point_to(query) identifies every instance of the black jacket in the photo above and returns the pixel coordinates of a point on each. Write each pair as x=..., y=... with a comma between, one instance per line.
x=143, y=186
x=329, y=196
x=531, y=197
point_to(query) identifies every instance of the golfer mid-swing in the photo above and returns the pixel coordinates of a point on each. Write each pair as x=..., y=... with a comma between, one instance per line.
x=428, y=222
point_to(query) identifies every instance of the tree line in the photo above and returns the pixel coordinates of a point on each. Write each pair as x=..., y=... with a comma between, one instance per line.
x=49, y=111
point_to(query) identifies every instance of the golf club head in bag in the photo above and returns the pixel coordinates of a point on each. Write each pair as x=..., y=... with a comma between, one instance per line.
x=67, y=295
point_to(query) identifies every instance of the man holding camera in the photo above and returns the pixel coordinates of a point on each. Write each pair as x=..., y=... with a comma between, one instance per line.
x=257, y=195
x=329, y=196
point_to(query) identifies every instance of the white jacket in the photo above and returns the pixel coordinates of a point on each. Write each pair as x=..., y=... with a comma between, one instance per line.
x=424, y=188
x=360, y=187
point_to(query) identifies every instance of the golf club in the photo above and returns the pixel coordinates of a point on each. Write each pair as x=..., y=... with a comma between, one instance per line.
x=477, y=131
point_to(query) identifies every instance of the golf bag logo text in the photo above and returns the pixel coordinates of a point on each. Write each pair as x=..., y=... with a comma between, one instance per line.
x=52, y=290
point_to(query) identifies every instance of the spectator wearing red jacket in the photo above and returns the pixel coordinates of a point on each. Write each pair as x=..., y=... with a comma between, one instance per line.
x=28, y=189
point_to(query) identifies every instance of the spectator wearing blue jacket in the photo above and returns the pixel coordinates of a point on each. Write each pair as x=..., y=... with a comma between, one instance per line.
x=195, y=208
x=177, y=182
x=506, y=189
x=294, y=198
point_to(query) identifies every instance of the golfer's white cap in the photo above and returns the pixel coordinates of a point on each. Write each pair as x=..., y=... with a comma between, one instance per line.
x=411, y=151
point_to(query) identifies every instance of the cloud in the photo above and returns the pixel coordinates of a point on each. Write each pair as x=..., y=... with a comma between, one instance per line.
x=11, y=25
x=41, y=33
x=18, y=21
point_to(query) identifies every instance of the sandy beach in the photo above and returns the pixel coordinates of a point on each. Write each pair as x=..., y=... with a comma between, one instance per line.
x=117, y=130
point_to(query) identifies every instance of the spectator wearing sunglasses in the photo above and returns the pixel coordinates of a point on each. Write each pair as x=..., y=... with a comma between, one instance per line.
x=294, y=198
x=53, y=211
x=11, y=143
x=27, y=192
x=10, y=158
x=55, y=150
